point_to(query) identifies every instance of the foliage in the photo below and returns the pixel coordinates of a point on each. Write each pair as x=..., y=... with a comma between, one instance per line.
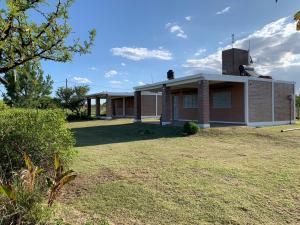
x=27, y=87
x=2, y=105
x=190, y=128
x=296, y=18
x=23, y=202
x=61, y=178
x=73, y=98
x=40, y=133
x=22, y=39
x=298, y=100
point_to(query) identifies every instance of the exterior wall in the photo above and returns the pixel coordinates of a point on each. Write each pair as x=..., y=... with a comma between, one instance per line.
x=237, y=111
x=117, y=107
x=129, y=106
x=282, y=103
x=184, y=114
x=148, y=105
x=260, y=101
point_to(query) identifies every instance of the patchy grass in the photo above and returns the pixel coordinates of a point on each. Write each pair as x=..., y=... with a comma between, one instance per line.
x=147, y=174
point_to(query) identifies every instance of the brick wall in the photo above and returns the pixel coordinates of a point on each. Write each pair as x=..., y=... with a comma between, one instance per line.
x=282, y=102
x=236, y=113
x=149, y=105
x=260, y=101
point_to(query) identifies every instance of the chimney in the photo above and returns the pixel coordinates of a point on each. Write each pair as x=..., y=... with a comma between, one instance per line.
x=232, y=59
x=170, y=75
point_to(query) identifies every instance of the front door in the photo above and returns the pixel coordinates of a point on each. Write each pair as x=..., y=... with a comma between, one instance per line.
x=175, y=108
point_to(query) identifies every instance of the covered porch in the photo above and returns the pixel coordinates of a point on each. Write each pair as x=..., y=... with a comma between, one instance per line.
x=206, y=102
x=117, y=105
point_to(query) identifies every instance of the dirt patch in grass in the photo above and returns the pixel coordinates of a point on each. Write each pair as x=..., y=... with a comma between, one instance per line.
x=83, y=183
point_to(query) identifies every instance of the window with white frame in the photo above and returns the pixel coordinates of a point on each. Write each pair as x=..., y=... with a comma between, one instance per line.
x=190, y=101
x=222, y=100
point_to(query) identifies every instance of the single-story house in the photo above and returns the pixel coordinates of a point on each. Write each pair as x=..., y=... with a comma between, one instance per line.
x=121, y=104
x=237, y=96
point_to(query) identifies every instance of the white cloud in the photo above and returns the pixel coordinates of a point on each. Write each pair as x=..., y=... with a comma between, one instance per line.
x=123, y=64
x=111, y=73
x=224, y=10
x=126, y=80
x=176, y=29
x=201, y=51
x=138, y=54
x=141, y=83
x=115, y=82
x=93, y=68
x=188, y=18
x=275, y=49
x=82, y=80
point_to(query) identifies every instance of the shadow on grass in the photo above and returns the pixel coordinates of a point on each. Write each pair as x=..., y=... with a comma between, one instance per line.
x=99, y=135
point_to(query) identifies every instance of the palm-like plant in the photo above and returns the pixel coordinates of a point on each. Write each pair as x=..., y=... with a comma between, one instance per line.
x=60, y=180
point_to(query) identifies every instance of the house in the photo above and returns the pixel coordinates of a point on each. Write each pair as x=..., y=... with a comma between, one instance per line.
x=237, y=96
x=121, y=104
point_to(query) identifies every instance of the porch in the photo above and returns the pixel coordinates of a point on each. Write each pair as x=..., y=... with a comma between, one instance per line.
x=206, y=102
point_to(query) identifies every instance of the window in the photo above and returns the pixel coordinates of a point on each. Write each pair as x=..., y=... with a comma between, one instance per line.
x=222, y=100
x=190, y=101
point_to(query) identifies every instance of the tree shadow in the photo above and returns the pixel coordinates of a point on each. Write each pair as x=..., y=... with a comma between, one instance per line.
x=109, y=134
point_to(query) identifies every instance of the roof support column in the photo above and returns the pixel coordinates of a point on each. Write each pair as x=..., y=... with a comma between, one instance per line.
x=166, y=105
x=137, y=106
x=108, y=107
x=98, y=105
x=124, y=103
x=203, y=104
x=89, y=107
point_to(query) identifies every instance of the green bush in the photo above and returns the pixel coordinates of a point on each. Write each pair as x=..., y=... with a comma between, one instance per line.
x=3, y=105
x=190, y=128
x=41, y=134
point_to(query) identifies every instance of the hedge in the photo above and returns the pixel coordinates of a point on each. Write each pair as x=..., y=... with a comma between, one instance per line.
x=39, y=133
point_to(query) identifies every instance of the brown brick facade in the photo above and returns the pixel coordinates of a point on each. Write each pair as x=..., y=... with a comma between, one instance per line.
x=149, y=105
x=282, y=101
x=236, y=113
x=260, y=101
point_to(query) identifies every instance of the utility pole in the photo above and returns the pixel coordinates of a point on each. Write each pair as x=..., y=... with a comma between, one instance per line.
x=66, y=83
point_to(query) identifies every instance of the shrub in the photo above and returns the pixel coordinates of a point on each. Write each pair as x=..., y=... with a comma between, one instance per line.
x=3, y=105
x=41, y=134
x=190, y=128
x=22, y=202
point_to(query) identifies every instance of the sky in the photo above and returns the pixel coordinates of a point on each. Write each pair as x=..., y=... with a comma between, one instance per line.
x=138, y=41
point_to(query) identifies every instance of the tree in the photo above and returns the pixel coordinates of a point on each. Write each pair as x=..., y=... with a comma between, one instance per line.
x=27, y=87
x=73, y=98
x=297, y=18
x=22, y=39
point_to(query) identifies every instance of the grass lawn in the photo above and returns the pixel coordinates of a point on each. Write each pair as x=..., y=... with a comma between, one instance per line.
x=147, y=174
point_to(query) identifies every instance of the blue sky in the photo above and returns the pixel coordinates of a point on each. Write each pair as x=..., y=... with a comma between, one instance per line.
x=139, y=40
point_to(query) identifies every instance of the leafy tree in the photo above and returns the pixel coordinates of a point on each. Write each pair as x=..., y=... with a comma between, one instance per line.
x=298, y=100
x=27, y=87
x=297, y=18
x=23, y=39
x=73, y=98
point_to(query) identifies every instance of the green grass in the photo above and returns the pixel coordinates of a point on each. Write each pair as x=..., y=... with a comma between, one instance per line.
x=147, y=174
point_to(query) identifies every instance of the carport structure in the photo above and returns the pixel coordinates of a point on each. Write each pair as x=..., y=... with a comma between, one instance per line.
x=117, y=104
